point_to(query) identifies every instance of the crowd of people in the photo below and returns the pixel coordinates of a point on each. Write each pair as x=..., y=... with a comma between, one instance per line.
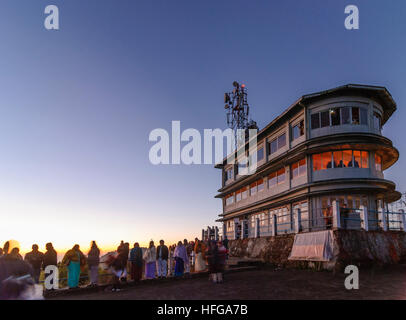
x=124, y=264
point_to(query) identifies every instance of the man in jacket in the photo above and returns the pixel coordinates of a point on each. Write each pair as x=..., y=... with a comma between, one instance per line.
x=35, y=258
x=50, y=258
x=162, y=253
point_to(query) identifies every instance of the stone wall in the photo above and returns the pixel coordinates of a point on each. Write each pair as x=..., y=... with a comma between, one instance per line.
x=365, y=249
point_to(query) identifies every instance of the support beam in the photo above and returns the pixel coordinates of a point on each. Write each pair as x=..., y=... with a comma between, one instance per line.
x=364, y=218
x=336, y=215
x=298, y=221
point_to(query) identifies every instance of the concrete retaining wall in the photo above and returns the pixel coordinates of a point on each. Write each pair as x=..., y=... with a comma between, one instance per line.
x=364, y=249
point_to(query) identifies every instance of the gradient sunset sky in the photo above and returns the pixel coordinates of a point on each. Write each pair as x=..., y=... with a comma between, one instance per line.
x=77, y=105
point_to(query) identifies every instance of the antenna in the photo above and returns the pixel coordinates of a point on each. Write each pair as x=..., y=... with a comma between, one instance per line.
x=237, y=109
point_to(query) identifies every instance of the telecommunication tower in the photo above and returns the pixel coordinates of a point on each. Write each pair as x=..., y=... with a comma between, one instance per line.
x=237, y=109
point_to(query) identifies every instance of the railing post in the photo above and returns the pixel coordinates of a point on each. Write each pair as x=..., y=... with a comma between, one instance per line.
x=336, y=215
x=242, y=230
x=382, y=219
x=364, y=218
x=235, y=230
x=257, y=230
x=403, y=217
x=298, y=220
x=274, y=224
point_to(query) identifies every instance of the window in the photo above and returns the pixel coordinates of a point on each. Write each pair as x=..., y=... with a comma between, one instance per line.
x=335, y=116
x=338, y=159
x=281, y=175
x=347, y=158
x=298, y=130
x=345, y=115
x=238, y=196
x=253, y=188
x=260, y=154
x=326, y=160
x=355, y=115
x=357, y=159
x=378, y=163
x=229, y=174
x=229, y=199
x=260, y=185
x=364, y=116
x=364, y=159
x=244, y=193
x=277, y=143
x=325, y=119
x=272, y=180
x=377, y=121
x=315, y=120
x=298, y=168
x=316, y=162
x=282, y=140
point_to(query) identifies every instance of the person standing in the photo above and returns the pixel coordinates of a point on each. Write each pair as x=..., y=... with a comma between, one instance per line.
x=150, y=261
x=136, y=262
x=74, y=259
x=162, y=253
x=93, y=260
x=50, y=259
x=188, y=248
x=35, y=258
x=123, y=252
x=212, y=260
x=181, y=259
x=200, y=250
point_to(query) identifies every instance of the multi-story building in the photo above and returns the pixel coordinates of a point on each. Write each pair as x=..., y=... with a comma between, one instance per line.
x=326, y=146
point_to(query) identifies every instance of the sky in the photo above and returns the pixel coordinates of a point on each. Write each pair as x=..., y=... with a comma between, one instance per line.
x=77, y=104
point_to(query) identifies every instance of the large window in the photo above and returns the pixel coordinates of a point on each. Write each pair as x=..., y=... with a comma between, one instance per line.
x=276, y=177
x=377, y=121
x=244, y=193
x=229, y=199
x=378, y=163
x=341, y=159
x=339, y=116
x=253, y=188
x=298, y=130
x=260, y=154
x=260, y=185
x=298, y=168
x=277, y=143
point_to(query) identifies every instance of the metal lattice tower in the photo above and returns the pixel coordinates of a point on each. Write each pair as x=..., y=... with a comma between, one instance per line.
x=237, y=108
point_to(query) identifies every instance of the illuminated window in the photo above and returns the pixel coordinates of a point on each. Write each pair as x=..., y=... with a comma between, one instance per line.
x=272, y=180
x=298, y=168
x=260, y=185
x=326, y=160
x=316, y=162
x=244, y=193
x=357, y=159
x=253, y=188
x=281, y=175
x=338, y=159
x=347, y=158
x=378, y=163
x=364, y=159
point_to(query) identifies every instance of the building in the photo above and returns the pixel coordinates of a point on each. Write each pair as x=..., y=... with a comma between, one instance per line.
x=325, y=150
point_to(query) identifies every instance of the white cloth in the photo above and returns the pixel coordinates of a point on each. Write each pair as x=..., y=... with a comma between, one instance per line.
x=313, y=246
x=162, y=267
x=150, y=255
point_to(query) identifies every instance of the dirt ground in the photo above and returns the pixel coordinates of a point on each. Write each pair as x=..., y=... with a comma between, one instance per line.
x=268, y=284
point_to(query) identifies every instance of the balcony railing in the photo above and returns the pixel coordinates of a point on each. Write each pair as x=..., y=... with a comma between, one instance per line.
x=332, y=217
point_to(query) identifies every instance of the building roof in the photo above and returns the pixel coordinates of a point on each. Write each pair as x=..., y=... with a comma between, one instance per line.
x=378, y=93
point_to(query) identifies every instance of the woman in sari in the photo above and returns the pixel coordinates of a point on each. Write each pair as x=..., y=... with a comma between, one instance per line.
x=74, y=259
x=181, y=259
x=150, y=261
x=200, y=248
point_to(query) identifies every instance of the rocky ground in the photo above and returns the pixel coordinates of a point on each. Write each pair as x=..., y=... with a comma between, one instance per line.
x=267, y=283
